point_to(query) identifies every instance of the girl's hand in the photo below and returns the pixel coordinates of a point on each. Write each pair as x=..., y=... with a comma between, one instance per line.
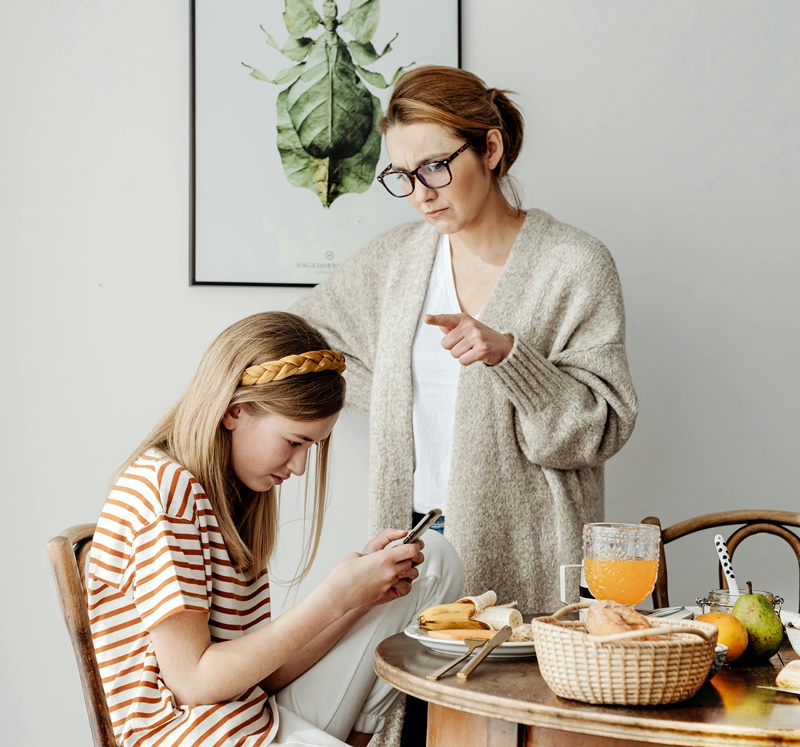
x=376, y=577
x=386, y=537
x=469, y=340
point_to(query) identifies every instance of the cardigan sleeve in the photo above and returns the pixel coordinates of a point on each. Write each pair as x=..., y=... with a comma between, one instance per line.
x=576, y=414
x=574, y=405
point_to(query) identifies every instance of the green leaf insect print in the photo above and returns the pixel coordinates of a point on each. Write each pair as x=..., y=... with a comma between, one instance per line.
x=327, y=118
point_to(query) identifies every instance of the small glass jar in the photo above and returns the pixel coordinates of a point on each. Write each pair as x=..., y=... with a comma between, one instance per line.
x=720, y=600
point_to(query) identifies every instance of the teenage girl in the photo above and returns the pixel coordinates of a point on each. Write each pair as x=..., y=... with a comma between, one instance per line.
x=178, y=586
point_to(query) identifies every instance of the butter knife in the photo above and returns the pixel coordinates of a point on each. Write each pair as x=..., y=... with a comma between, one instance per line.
x=499, y=637
x=472, y=644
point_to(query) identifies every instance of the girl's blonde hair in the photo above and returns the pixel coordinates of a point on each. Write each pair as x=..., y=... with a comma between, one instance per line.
x=192, y=433
x=462, y=104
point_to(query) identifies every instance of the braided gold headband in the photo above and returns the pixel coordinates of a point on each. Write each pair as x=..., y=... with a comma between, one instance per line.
x=311, y=362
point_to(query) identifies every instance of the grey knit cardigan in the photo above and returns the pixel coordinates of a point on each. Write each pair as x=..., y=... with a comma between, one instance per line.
x=531, y=434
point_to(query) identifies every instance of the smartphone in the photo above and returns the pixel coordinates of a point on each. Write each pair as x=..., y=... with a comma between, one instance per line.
x=424, y=523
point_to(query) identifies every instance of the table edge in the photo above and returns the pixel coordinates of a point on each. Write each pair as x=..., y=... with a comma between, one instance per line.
x=594, y=724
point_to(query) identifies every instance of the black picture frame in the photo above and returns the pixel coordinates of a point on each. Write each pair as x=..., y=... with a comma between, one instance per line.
x=248, y=224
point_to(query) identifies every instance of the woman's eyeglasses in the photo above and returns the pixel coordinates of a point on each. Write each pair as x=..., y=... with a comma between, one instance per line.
x=434, y=174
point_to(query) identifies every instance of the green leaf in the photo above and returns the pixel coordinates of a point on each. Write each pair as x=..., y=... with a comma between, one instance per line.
x=361, y=20
x=300, y=17
x=329, y=178
x=330, y=107
x=294, y=49
x=284, y=76
x=363, y=54
x=289, y=74
x=377, y=80
x=388, y=47
x=257, y=74
x=270, y=40
x=297, y=49
x=373, y=78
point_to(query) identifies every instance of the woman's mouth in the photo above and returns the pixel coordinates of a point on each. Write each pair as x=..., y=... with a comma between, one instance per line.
x=435, y=213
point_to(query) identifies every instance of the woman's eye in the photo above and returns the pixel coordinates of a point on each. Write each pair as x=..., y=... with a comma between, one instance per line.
x=434, y=167
x=294, y=443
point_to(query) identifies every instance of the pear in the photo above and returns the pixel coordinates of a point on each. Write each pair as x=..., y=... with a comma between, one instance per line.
x=764, y=626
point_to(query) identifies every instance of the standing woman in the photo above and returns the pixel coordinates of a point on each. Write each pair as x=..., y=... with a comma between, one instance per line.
x=485, y=342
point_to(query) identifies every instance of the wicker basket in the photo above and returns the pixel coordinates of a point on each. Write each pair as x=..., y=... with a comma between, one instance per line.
x=618, y=669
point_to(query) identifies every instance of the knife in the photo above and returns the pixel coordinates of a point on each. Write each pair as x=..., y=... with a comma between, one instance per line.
x=780, y=689
x=501, y=635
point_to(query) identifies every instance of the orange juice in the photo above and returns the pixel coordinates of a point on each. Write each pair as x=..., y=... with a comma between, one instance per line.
x=625, y=581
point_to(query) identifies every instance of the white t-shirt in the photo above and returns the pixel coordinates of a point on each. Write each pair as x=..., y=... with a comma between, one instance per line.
x=434, y=374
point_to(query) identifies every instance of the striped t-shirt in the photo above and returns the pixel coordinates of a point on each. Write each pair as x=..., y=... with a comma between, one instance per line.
x=157, y=551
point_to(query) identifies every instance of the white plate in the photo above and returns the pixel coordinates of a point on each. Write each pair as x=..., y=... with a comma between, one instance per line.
x=675, y=613
x=507, y=650
x=790, y=617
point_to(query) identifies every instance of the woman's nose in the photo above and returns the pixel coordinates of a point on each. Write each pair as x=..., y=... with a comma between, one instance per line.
x=297, y=462
x=422, y=193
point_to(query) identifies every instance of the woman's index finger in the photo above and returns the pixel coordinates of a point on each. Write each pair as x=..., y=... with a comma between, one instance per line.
x=445, y=322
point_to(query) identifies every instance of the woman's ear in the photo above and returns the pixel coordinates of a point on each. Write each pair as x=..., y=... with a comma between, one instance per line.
x=231, y=417
x=494, y=148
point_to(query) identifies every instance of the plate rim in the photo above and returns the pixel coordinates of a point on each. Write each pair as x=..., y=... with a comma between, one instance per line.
x=415, y=632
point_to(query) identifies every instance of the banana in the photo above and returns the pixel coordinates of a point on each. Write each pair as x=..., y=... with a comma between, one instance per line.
x=497, y=617
x=446, y=616
x=471, y=613
x=482, y=601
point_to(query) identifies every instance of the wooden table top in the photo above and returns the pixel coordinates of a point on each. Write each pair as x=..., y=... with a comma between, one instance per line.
x=728, y=710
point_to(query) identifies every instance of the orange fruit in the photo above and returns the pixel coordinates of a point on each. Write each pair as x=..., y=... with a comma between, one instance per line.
x=732, y=632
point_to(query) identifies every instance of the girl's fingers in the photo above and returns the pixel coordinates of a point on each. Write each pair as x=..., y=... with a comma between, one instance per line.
x=386, y=537
x=402, y=587
x=410, y=574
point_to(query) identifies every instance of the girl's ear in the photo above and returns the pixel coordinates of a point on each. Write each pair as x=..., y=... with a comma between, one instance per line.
x=231, y=417
x=494, y=148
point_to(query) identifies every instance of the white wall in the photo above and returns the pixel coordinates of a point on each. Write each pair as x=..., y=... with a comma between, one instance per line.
x=667, y=129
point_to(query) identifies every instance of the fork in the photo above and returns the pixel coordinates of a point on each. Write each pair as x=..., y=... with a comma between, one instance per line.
x=472, y=644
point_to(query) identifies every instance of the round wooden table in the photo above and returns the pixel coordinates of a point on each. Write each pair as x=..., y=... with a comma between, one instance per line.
x=506, y=703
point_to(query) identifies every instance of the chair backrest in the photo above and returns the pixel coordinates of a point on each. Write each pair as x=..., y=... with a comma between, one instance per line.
x=68, y=552
x=751, y=522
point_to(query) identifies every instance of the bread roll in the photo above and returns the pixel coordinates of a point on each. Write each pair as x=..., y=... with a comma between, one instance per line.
x=607, y=617
x=789, y=676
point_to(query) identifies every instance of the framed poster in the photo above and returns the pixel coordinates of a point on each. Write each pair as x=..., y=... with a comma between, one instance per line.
x=286, y=95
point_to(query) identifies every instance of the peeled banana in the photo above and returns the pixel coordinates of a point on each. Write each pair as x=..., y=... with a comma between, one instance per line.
x=471, y=613
x=497, y=617
x=447, y=616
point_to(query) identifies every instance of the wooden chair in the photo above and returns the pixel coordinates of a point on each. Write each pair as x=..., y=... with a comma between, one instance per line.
x=68, y=552
x=752, y=522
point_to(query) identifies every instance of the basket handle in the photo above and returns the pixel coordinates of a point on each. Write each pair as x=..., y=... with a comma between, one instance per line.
x=643, y=632
x=570, y=608
x=658, y=631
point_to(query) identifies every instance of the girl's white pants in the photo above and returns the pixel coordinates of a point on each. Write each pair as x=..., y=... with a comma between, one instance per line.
x=341, y=692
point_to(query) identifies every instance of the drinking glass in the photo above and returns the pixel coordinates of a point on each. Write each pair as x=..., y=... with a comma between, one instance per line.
x=621, y=560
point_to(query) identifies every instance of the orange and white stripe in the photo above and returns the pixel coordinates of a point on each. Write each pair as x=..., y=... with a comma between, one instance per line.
x=157, y=551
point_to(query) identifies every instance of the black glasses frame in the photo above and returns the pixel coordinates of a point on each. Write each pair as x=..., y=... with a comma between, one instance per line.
x=414, y=175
